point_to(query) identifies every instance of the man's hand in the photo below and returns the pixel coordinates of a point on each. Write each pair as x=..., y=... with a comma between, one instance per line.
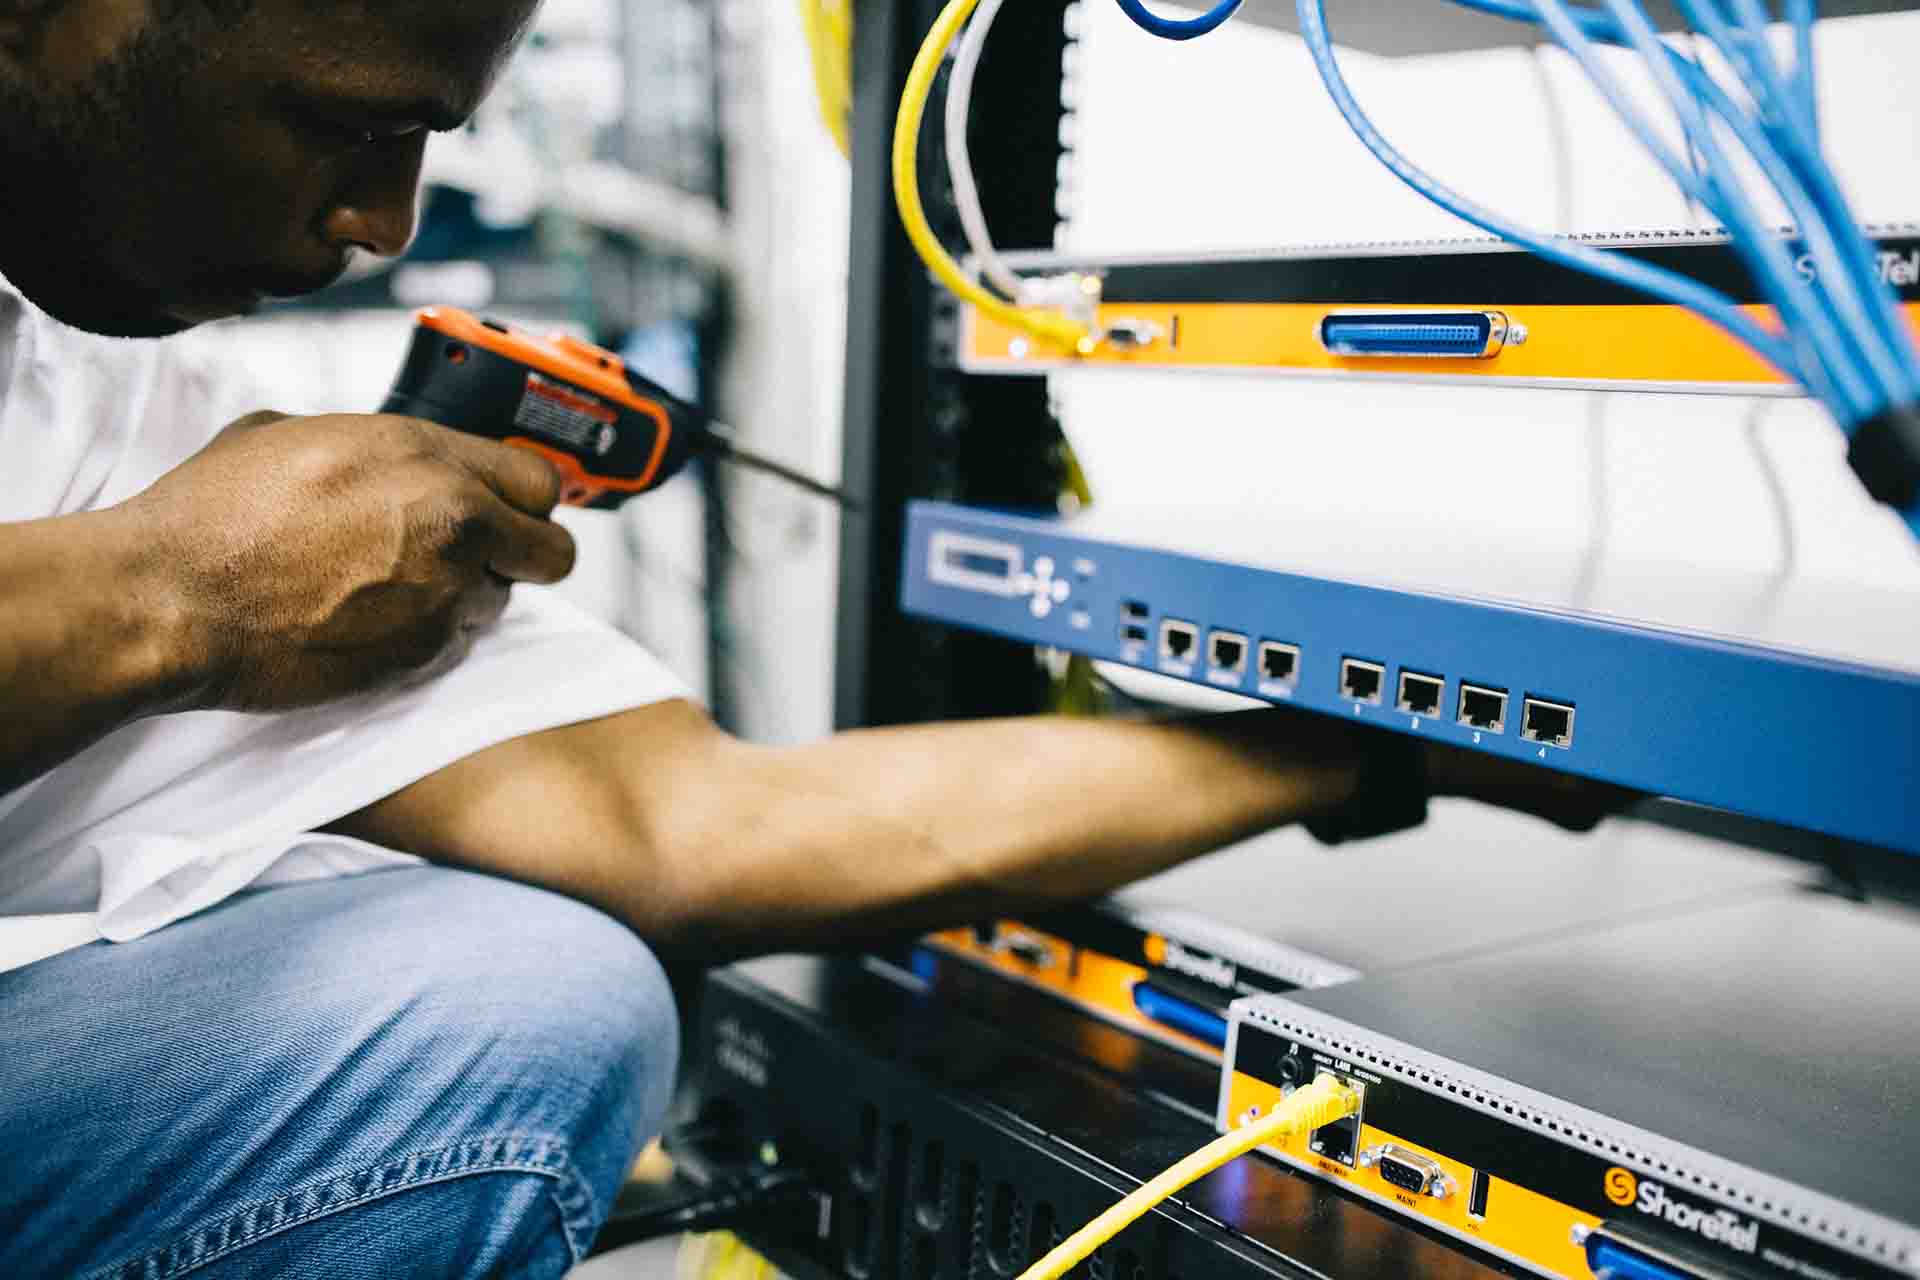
x=319, y=557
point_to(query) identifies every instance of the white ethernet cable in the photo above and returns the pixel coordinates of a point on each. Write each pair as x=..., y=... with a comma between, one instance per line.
x=966, y=192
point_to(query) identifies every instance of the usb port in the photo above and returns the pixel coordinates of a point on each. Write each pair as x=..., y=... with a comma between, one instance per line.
x=1177, y=640
x=1361, y=681
x=1279, y=663
x=1546, y=722
x=1133, y=634
x=1477, y=1196
x=1226, y=654
x=1482, y=708
x=1135, y=610
x=1420, y=694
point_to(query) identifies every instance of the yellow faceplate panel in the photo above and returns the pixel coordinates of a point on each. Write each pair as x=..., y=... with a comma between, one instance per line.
x=1097, y=982
x=1652, y=345
x=1519, y=1222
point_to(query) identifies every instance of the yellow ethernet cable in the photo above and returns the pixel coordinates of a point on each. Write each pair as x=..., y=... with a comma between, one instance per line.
x=1320, y=1103
x=1048, y=326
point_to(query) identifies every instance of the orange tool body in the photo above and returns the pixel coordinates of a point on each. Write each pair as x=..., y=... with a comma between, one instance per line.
x=611, y=433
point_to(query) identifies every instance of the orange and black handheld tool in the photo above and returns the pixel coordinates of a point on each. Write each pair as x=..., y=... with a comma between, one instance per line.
x=611, y=433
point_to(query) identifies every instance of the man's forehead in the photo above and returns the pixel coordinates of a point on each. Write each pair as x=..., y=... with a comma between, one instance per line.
x=436, y=58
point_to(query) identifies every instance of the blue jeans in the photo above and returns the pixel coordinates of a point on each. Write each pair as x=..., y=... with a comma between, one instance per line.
x=416, y=1072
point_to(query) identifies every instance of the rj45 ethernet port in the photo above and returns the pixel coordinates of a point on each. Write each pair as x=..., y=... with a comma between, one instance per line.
x=1177, y=640
x=1548, y=723
x=1279, y=663
x=1420, y=694
x=1361, y=681
x=1226, y=653
x=1336, y=1141
x=1483, y=708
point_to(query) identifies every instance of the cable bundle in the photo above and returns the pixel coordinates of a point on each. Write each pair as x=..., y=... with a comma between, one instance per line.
x=1841, y=333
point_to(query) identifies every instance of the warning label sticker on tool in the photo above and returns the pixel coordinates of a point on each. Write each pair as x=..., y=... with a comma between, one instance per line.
x=566, y=415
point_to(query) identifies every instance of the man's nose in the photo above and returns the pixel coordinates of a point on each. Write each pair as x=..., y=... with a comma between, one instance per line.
x=378, y=206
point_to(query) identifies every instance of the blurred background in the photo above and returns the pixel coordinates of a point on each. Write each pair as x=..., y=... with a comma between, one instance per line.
x=652, y=175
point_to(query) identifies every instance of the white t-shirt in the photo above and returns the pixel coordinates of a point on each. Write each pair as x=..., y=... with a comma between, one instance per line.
x=169, y=815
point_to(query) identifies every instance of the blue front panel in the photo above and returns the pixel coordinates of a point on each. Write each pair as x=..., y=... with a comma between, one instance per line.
x=1820, y=745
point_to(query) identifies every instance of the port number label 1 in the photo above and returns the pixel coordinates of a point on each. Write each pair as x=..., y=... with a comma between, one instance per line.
x=1416, y=724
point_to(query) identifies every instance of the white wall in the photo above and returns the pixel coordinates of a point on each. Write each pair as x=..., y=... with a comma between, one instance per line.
x=787, y=203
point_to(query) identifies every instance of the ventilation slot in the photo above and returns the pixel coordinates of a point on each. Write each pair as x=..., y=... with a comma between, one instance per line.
x=1045, y=1235
x=926, y=1259
x=1003, y=1229
x=930, y=1186
x=963, y=1216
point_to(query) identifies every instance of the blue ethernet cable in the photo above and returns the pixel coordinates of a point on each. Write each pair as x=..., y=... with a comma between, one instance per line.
x=1854, y=278
x=1799, y=150
x=1857, y=359
x=1800, y=16
x=1178, y=28
x=1849, y=288
x=1846, y=265
x=1806, y=311
x=1644, y=277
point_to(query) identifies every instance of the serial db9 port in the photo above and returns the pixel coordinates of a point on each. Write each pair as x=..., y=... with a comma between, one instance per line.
x=1413, y=1174
x=1550, y=723
x=1361, y=681
x=1226, y=653
x=1483, y=708
x=1177, y=640
x=1279, y=663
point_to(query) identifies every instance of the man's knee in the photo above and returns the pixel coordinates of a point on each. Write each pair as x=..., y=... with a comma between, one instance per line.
x=519, y=1011
x=334, y=1047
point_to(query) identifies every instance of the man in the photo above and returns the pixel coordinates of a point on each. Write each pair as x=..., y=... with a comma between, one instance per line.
x=237, y=665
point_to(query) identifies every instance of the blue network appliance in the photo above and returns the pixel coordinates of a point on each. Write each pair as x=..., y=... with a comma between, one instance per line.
x=1814, y=743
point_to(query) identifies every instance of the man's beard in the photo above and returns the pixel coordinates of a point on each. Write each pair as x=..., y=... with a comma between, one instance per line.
x=89, y=179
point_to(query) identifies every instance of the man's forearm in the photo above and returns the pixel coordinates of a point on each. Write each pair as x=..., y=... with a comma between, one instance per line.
x=88, y=638
x=699, y=840
x=924, y=825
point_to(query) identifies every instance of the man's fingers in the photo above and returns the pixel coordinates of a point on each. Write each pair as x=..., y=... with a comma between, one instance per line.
x=524, y=548
x=520, y=476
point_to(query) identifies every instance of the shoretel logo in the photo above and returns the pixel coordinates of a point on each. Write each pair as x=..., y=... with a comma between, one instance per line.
x=1210, y=969
x=1721, y=1226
